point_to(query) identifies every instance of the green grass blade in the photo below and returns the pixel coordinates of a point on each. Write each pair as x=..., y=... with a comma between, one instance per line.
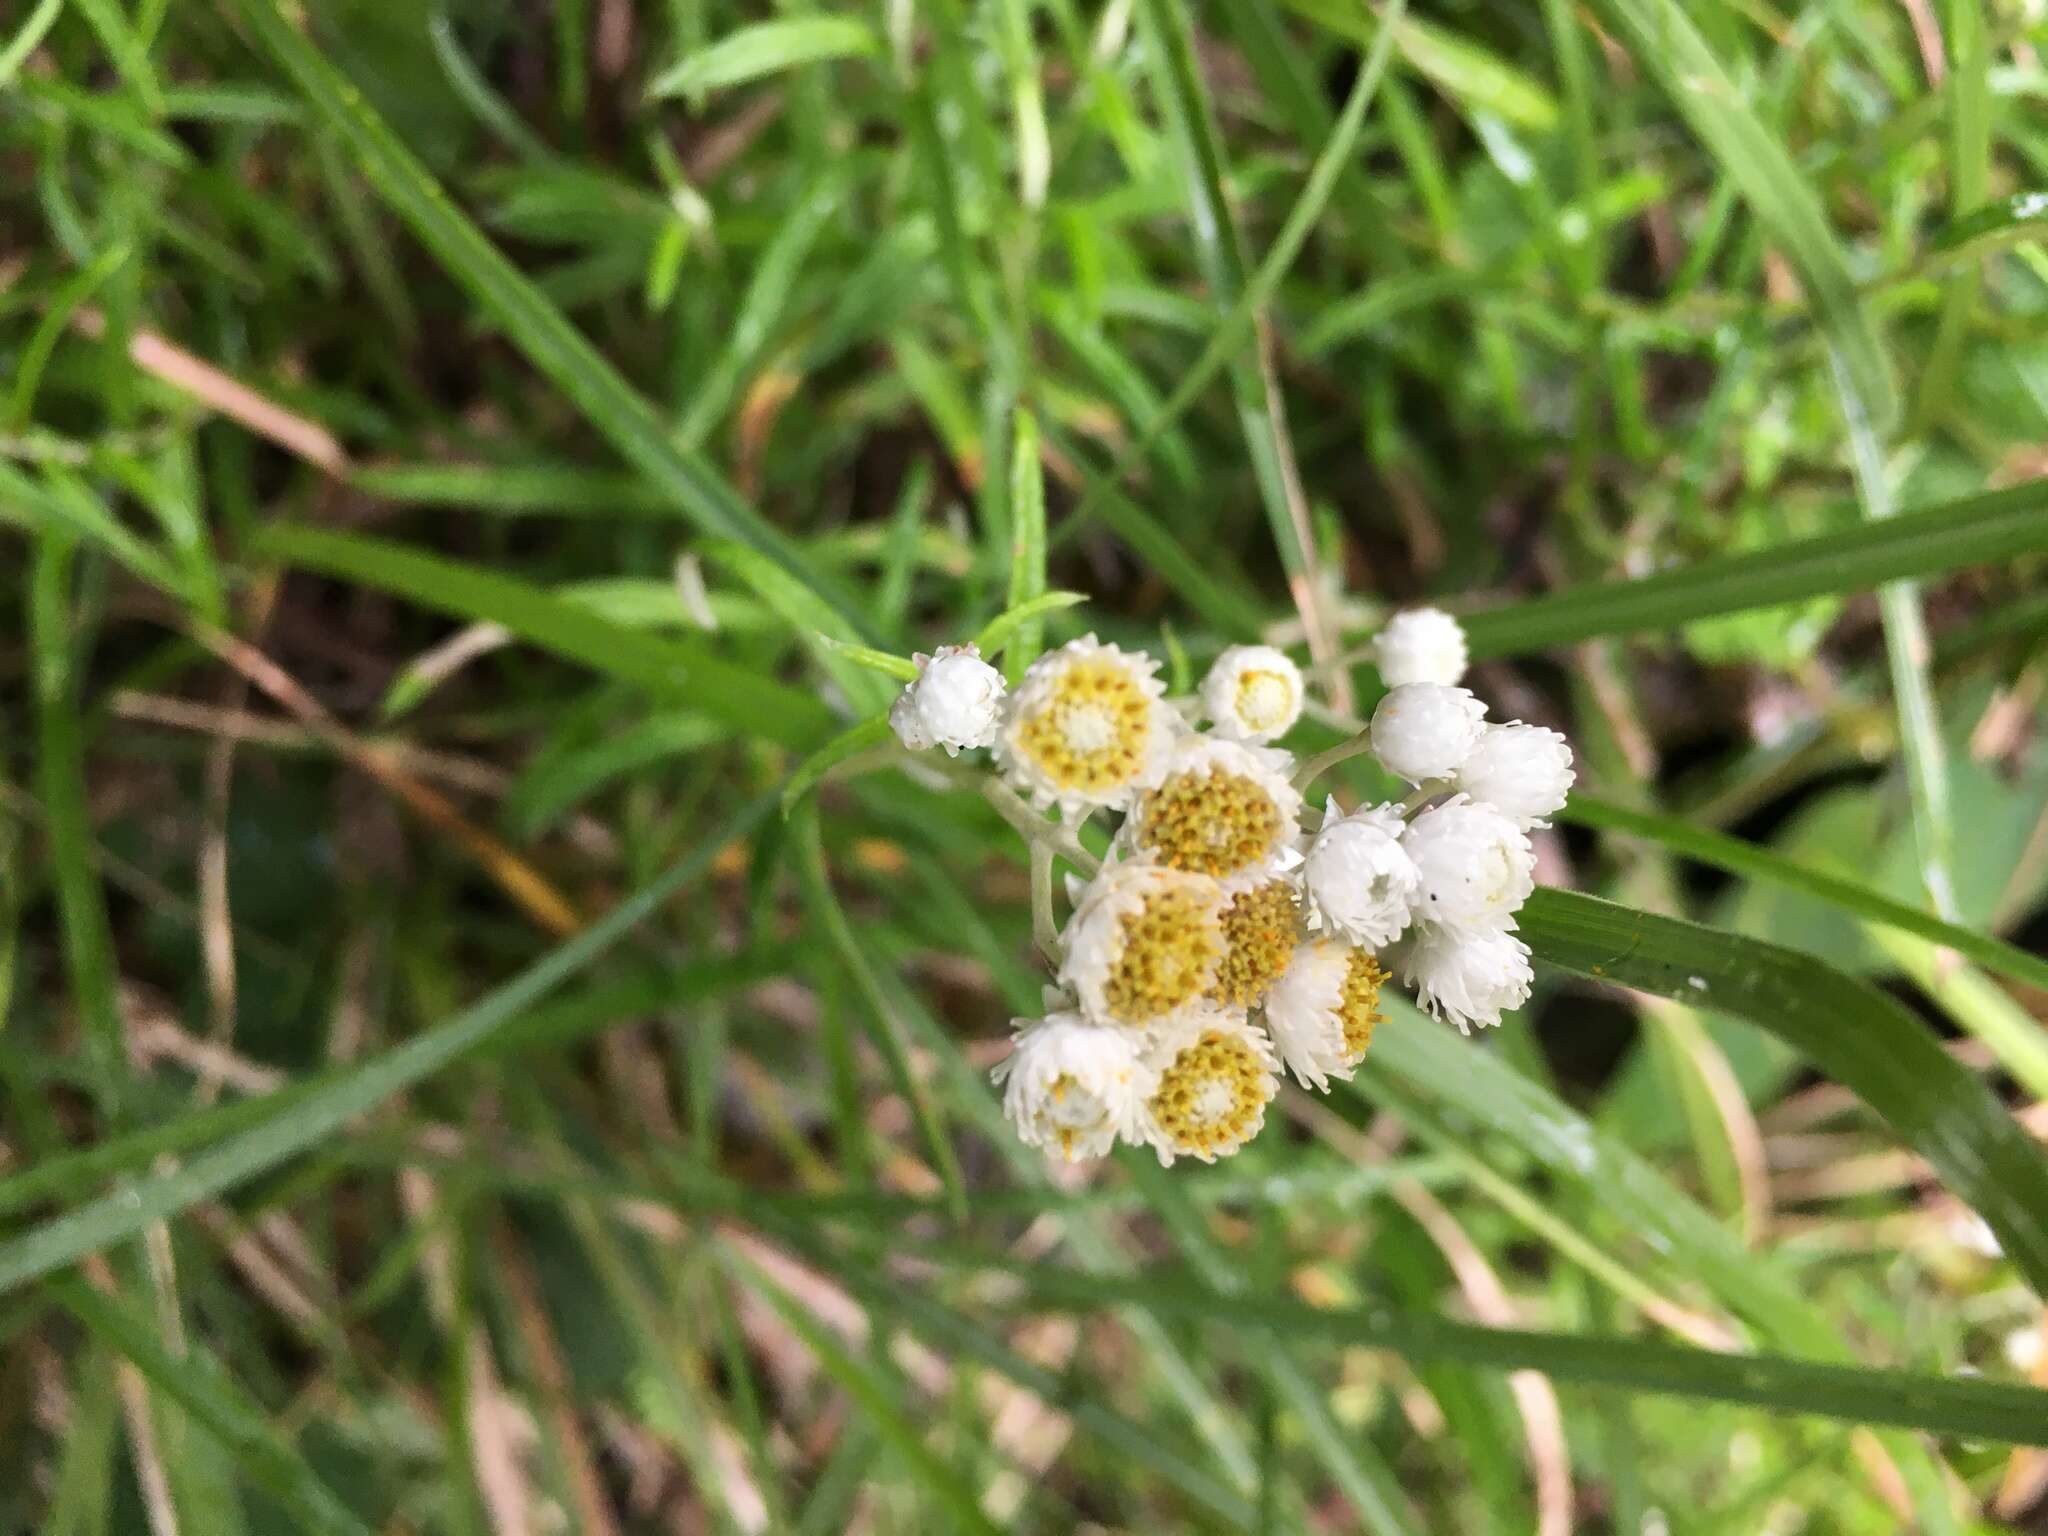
x=1977, y=530
x=1027, y=546
x=1940, y=1405
x=198, y=1384
x=1847, y=1027
x=61, y=782
x=765, y=48
x=866, y=1386
x=1670, y=47
x=530, y=319
x=1748, y=860
x=302, y=1122
x=686, y=673
x=811, y=772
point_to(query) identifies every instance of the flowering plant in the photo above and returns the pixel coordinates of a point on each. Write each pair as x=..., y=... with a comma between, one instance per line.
x=1230, y=932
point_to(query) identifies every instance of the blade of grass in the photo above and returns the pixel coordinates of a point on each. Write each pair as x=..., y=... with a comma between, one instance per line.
x=1846, y=1026
x=530, y=319
x=1943, y=1405
x=196, y=1381
x=1027, y=544
x=1738, y=857
x=883, y=1027
x=764, y=48
x=1665, y=41
x=1976, y=530
x=685, y=673
x=61, y=783
x=303, y=1121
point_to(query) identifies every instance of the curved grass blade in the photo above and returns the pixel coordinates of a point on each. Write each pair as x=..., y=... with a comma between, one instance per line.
x=530, y=319
x=808, y=616
x=1026, y=637
x=1738, y=857
x=765, y=48
x=996, y=633
x=686, y=673
x=1976, y=530
x=1849, y=1028
x=303, y=1120
x=1665, y=42
x=1944, y=1405
x=865, y=737
x=198, y=1384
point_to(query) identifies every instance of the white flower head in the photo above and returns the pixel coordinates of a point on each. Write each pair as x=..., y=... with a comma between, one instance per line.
x=1424, y=730
x=1475, y=866
x=1467, y=975
x=1420, y=645
x=1359, y=879
x=1522, y=771
x=1322, y=1012
x=1086, y=726
x=1261, y=929
x=1072, y=1087
x=1252, y=693
x=1220, y=808
x=1143, y=944
x=1215, y=1076
x=954, y=702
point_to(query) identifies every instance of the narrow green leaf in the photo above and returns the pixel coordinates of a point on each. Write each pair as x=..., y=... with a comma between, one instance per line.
x=1748, y=860
x=687, y=673
x=888, y=663
x=1847, y=1027
x=530, y=319
x=302, y=1121
x=1667, y=43
x=996, y=633
x=61, y=784
x=765, y=48
x=808, y=616
x=216, y=1403
x=883, y=1407
x=1027, y=547
x=864, y=737
x=1944, y=1405
x=1977, y=530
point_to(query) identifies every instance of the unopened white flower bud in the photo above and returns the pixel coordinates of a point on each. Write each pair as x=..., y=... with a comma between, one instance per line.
x=1467, y=975
x=1359, y=880
x=1422, y=645
x=954, y=702
x=1475, y=867
x=1422, y=731
x=1523, y=771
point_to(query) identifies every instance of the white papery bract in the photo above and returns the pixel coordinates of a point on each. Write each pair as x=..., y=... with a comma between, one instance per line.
x=1359, y=880
x=1523, y=771
x=1072, y=1087
x=1220, y=808
x=1252, y=693
x=1321, y=1013
x=1216, y=1074
x=1421, y=645
x=1467, y=975
x=1475, y=866
x=1423, y=731
x=954, y=702
x=1143, y=944
x=1087, y=726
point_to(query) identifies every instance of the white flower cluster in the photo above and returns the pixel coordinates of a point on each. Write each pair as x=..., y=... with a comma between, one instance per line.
x=1218, y=945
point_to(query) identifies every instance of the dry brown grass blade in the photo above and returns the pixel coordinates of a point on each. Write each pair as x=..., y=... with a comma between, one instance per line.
x=218, y=391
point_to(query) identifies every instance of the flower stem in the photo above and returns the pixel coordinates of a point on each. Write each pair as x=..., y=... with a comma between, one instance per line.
x=1323, y=762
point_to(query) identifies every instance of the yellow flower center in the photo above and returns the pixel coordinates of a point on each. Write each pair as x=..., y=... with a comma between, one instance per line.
x=1264, y=701
x=1260, y=931
x=1212, y=1095
x=1091, y=735
x=1168, y=950
x=1358, y=1003
x=1209, y=822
